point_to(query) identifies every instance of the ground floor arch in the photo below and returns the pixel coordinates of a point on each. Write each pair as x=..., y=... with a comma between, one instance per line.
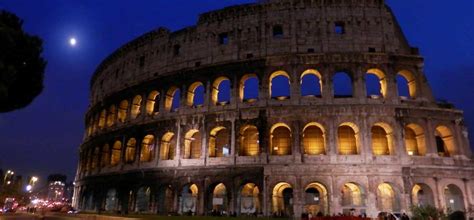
x=316, y=199
x=249, y=200
x=453, y=198
x=143, y=200
x=218, y=199
x=111, y=201
x=422, y=195
x=188, y=199
x=282, y=199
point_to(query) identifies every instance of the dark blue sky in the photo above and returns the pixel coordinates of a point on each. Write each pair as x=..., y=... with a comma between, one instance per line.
x=44, y=137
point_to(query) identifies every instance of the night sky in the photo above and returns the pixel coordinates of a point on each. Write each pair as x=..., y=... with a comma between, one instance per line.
x=44, y=137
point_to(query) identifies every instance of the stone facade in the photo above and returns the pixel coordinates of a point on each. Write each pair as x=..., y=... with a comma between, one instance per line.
x=268, y=154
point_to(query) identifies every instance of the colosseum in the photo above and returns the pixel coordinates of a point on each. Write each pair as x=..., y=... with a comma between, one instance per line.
x=274, y=108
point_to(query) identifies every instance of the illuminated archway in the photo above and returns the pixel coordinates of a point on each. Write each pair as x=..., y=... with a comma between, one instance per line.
x=415, y=140
x=377, y=87
x=147, y=149
x=248, y=88
x=280, y=139
x=221, y=91
x=422, y=195
x=352, y=195
x=219, y=142
x=387, y=199
x=172, y=99
x=407, y=81
x=130, y=150
x=311, y=83
x=168, y=146
x=382, y=139
x=116, y=153
x=249, y=199
x=282, y=199
x=152, y=102
x=314, y=139
x=348, y=139
x=316, y=199
x=279, y=85
x=249, y=141
x=192, y=144
x=111, y=115
x=102, y=118
x=189, y=199
x=195, y=94
x=219, y=198
x=122, y=112
x=444, y=141
x=105, y=156
x=136, y=107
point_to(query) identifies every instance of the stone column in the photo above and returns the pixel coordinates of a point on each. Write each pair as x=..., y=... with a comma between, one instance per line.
x=232, y=141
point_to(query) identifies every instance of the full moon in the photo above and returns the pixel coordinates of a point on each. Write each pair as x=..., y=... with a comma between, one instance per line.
x=72, y=41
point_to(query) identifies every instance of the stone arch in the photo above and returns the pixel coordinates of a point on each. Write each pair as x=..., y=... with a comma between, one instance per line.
x=316, y=199
x=188, y=199
x=171, y=104
x=445, y=142
x=105, y=156
x=415, y=142
x=305, y=80
x=454, y=198
x=95, y=158
x=221, y=90
x=116, y=155
x=248, y=85
x=152, y=102
x=219, y=142
x=249, y=141
x=136, y=106
x=410, y=82
x=387, y=198
x=192, y=144
x=279, y=78
x=147, y=149
x=218, y=197
x=102, y=118
x=88, y=200
x=111, y=115
x=382, y=139
x=130, y=150
x=381, y=85
x=249, y=199
x=282, y=199
x=280, y=139
x=111, y=200
x=195, y=95
x=168, y=146
x=422, y=195
x=348, y=139
x=353, y=195
x=143, y=199
x=122, y=112
x=314, y=139
x=343, y=85
x=165, y=199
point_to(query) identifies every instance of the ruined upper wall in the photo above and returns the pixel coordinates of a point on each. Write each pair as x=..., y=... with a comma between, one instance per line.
x=308, y=27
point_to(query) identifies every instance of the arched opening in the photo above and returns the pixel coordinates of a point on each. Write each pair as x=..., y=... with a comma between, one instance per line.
x=376, y=83
x=406, y=84
x=172, y=99
x=136, y=107
x=316, y=199
x=111, y=115
x=102, y=118
x=147, y=149
x=347, y=139
x=387, y=200
x=352, y=196
x=342, y=85
x=111, y=201
x=280, y=139
x=122, y=112
x=196, y=94
x=249, y=141
x=105, y=160
x=143, y=200
x=188, y=199
x=192, y=144
x=88, y=201
x=279, y=85
x=314, y=139
x=382, y=139
x=130, y=150
x=165, y=200
x=219, y=200
x=248, y=89
x=444, y=141
x=454, y=198
x=311, y=83
x=250, y=199
x=95, y=158
x=415, y=140
x=168, y=146
x=282, y=200
x=90, y=126
x=221, y=91
x=422, y=195
x=116, y=153
x=219, y=143
x=153, y=103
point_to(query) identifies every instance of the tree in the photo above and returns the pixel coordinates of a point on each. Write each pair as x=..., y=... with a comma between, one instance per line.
x=21, y=65
x=427, y=212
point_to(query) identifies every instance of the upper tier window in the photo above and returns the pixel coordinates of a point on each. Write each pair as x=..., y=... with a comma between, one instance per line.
x=223, y=39
x=277, y=31
x=339, y=28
